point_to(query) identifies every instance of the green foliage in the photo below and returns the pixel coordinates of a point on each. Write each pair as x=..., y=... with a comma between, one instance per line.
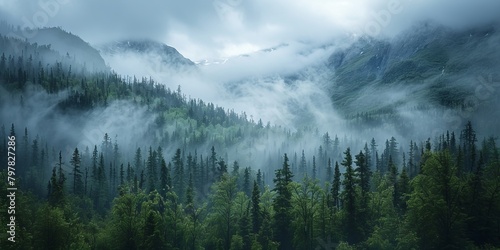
x=434, y=206
x=306, y=198
x=282, y=206
x=453, y=202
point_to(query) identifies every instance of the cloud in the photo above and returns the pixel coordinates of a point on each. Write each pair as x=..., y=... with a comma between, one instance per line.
x=201, y=29
x=205, y=29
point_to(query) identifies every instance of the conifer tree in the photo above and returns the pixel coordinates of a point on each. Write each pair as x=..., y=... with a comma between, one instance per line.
x=138, y=160
x=329, y=170
x=221, y=167
x=314, y=167
x=468, y=141
x=213, y=163
x=178, y=179
x=260, y=180
x=256, y=213
x=77, y=173
x=224, y=214
x=151, y=168
x=282, y=206
x=335, y=189
x=165, y=181
x=246, y=181
x=349, y=200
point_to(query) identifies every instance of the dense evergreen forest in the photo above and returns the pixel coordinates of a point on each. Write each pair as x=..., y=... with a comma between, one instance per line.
x=198, y=176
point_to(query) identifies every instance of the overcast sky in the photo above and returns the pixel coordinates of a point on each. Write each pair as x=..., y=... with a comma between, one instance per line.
x=202, y=29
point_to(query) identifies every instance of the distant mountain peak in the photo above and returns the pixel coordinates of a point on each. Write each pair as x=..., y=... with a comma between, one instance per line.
x=168, y=54
x=65, y=43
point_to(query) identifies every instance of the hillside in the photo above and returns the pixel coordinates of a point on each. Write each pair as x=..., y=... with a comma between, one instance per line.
x=428, y=64
x=97, y=160
x=63, y=42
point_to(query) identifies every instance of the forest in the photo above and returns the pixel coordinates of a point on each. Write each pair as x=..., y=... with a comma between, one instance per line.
x=197, y=176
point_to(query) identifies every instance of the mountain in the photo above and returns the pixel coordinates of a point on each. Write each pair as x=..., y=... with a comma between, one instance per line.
x=168, y=55
x=429, y=64
x=66, y=43
x=108, y=161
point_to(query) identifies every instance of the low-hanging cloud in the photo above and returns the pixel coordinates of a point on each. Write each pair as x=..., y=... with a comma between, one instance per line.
x=279, y=85
x=202, y=29
x=222, y=29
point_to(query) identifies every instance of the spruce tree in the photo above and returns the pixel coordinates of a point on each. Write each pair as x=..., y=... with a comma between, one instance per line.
x=349, y=200
x=283, y=206
x=256, y=213
x=77, y=173
x=246, y=181
x=178, y=180
x=335, y=190
x=165, y=182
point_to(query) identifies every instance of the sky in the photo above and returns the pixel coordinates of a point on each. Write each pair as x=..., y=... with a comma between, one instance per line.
x=201, y=29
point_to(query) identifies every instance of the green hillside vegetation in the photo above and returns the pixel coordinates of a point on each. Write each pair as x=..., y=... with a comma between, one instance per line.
x=204, y=177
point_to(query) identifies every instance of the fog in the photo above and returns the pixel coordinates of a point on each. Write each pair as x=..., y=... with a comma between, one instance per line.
x=37, y=111
x=202, y=29
x=267, y=60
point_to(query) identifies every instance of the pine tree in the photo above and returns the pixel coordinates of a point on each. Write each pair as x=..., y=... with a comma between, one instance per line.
x=236, y=170
x=151, y=168
x=245, y=229
x=335, y=190
x=56, y=185
x=224, y=214
x=411, y=164
x=61, y=177
x=314, y=167
x=190, y=194
x=349, y=200
x=468, y=141
x=94, y=182
x=283, y=206
x=260, y=180
x=394, y=152
x=122, y=175
x=404, y=191
x=138, y=160
x=213, y=163
x=368, y=157
x=303, y=165
x=221, y=167
x=246, y=181
x=165, y=181
x=178, y=180
x=141, y=180
x=393, y=180
x=364, y=173
x=327, y=142
x=256, y=213
x=34, y=154
x=77, y=173
x=101, y=188
x=52, y=189
x=434, y=207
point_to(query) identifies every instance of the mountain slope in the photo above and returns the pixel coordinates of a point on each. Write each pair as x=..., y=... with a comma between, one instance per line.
x=66, y=43
x=168, y=55
x=433, y=64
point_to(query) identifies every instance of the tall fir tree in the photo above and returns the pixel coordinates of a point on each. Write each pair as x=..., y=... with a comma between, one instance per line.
x=178, y=178
x=77, y=173
x=283, y=206
x=349, y=200
x=256, y=213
